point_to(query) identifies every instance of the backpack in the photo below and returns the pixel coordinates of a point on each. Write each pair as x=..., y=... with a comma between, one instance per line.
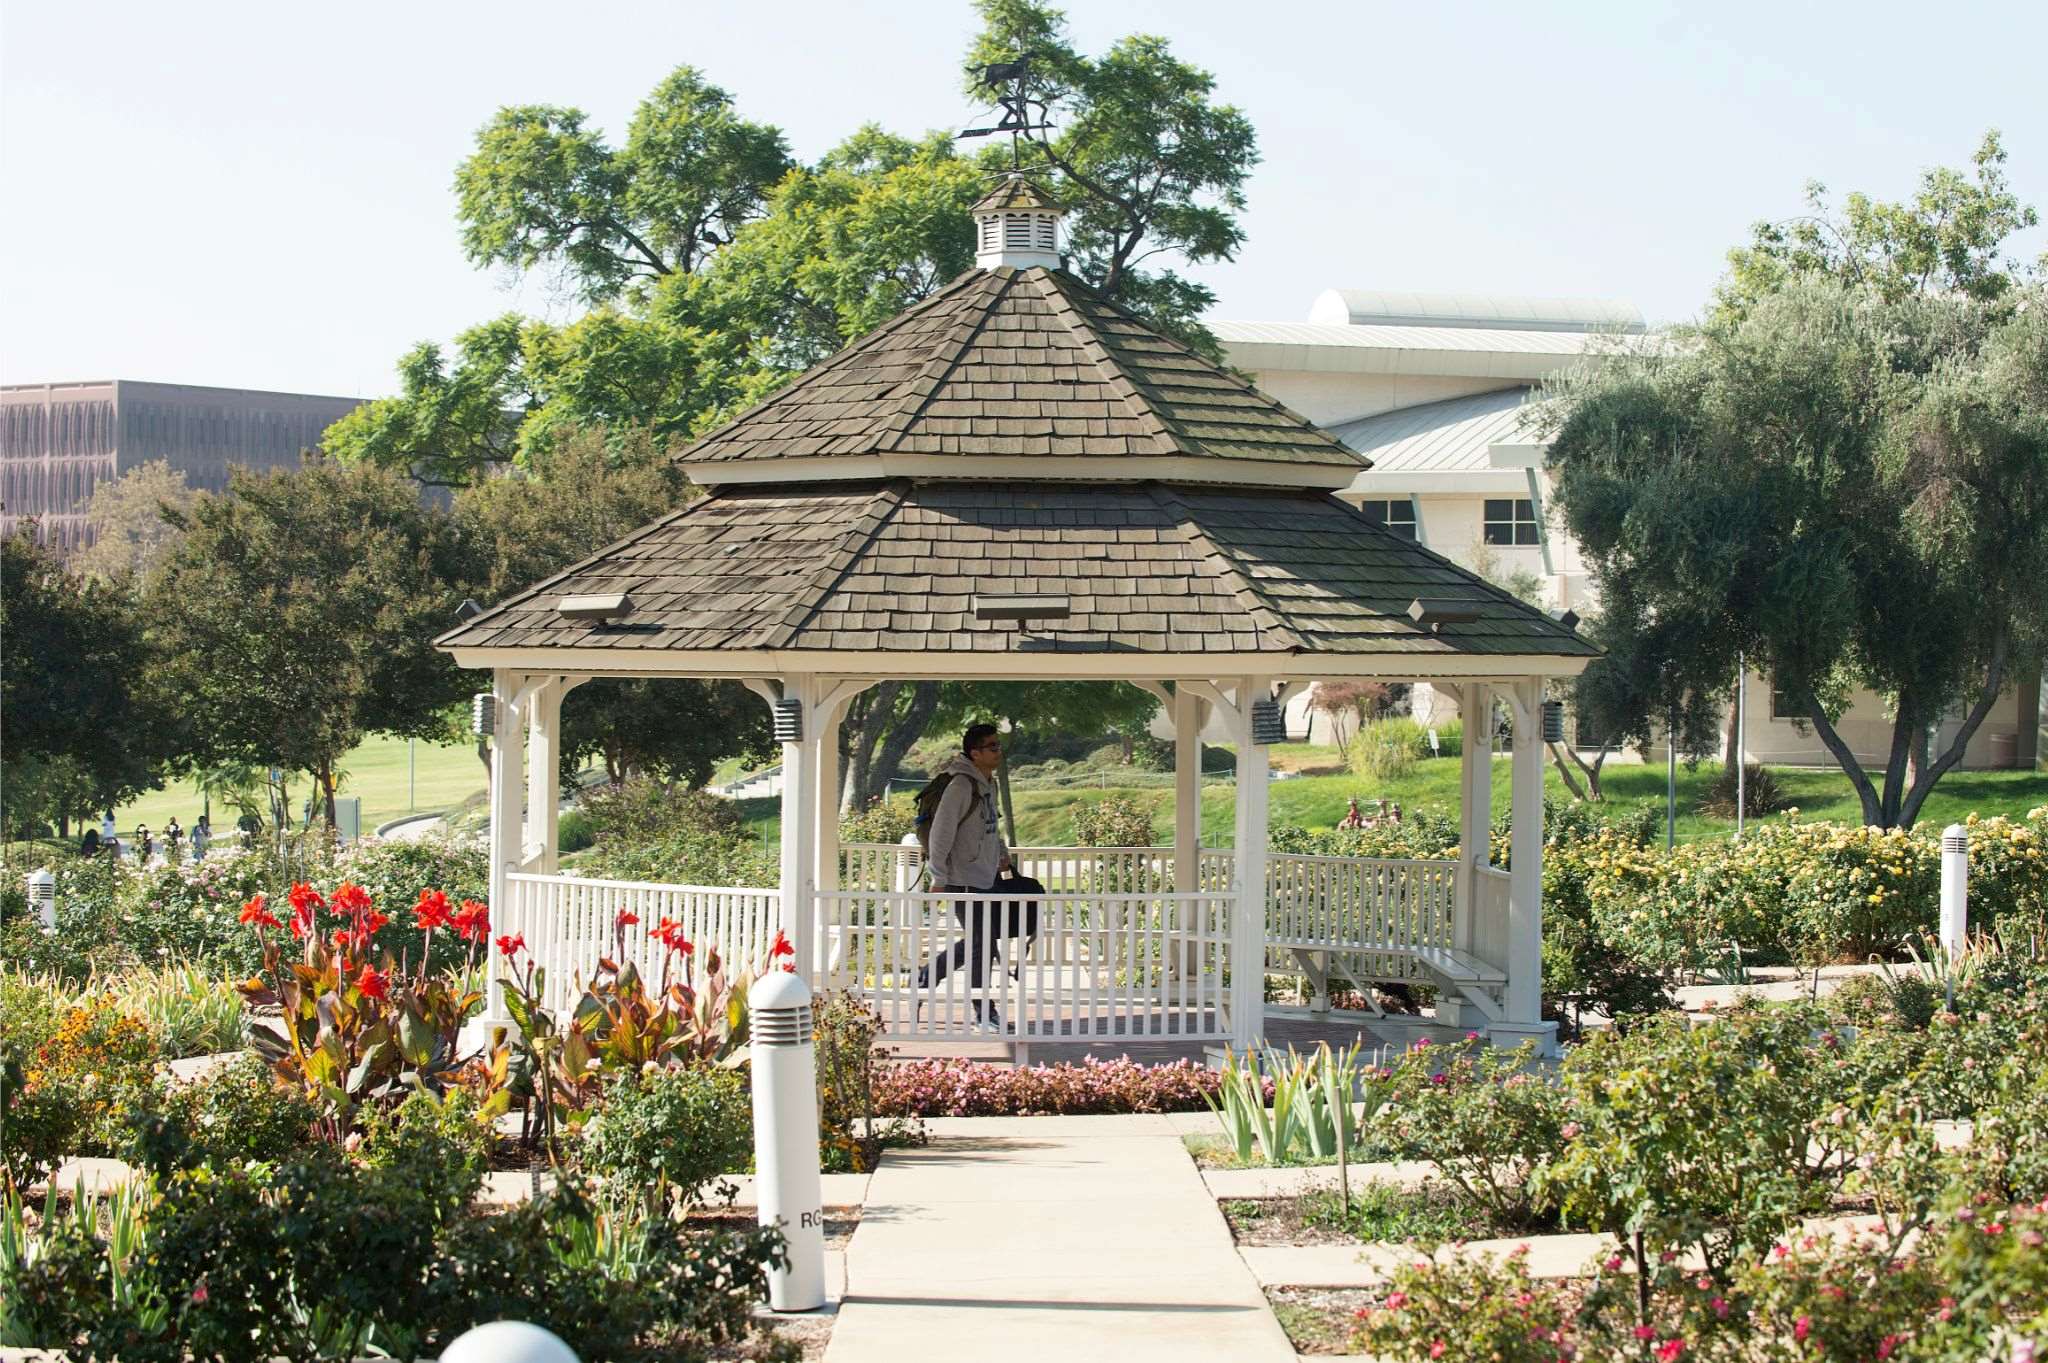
x=928, y=809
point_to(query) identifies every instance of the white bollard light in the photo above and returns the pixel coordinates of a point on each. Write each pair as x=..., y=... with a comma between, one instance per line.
x=786, y=1184
x=1955, y=887
x=42, y=897
x=508, y=1341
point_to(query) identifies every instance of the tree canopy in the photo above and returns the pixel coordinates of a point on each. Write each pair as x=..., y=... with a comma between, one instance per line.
x=296, y=616
x=1839, y=484
x=131, y=537
x=80, y=731
x=715, y=267
x=581, y=494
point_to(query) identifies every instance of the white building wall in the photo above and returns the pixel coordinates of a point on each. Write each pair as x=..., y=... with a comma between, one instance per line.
x=1328, y=399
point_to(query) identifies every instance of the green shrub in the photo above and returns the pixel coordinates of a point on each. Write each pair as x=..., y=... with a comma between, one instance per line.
x=1466, y=1308
x=670, y=1133
x=885, y=819
x=1112, y=821
x=2009, y=876
x=848, y=1036
x=439, y=1146
x=1486, y=1121
x=1383, y=750
x=1712, y=1139
x=681, y=837
x=188, y=1010
x=68, y=1095
x=573, y=832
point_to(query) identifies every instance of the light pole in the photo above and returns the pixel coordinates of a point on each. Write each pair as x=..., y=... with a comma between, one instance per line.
x=1741, y=742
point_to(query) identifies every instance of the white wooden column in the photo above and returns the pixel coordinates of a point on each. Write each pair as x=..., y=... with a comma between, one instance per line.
x=1523, y=1005
x=1475, y=823
x=823, y=735
x=542, y=838
x=1187, y=790
x=1248, y=924
x=511, y=693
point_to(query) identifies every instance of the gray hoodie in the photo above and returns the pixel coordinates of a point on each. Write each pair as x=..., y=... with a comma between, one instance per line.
x=966, y=845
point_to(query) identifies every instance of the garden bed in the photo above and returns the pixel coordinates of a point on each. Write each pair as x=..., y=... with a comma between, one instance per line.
x=1430, y=1213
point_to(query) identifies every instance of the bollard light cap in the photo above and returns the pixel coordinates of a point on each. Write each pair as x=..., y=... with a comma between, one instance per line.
x=508, y=1341
x=778, y=989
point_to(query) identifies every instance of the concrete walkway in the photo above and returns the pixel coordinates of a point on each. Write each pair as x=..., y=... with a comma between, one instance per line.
x=1050, y=1240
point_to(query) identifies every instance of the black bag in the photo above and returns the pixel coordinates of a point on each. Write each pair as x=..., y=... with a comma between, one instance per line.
x=1020, y=907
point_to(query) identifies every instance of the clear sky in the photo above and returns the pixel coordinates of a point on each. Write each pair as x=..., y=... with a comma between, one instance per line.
x=258, y=195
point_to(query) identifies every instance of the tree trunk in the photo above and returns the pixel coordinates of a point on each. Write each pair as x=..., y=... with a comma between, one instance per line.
x=897, y=734
x=1866, y=794
x=1731, y=750
x=326, y=778
x=1564, y=773
x=865, y=720
x=1994, y=681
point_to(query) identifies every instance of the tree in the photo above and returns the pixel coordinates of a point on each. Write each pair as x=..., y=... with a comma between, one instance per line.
x=1647, y=682
x=542, y=190
x=1838, y=484
x=1348, y=704
x=80, y=728
x=1947, y=240
x=586, y=491
x=297, y=617
x=130, y=535
x=1146, y=162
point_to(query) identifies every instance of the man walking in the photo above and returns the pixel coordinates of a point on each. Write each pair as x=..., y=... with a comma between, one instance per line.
x=965, y=854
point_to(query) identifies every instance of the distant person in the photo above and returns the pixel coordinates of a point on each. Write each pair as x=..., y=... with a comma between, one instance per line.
x=174, y=838
x=202, y=834
x=89, y=845
x=145, y=845
x=108, y=832
x=251, y=827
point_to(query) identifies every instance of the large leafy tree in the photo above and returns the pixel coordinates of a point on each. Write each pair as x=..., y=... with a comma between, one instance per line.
x=582, y=493
x=130, y=535
x=296, y=616
x=80, y=730
x=1149, y=165
x=1948, y=239
x=1838, y=484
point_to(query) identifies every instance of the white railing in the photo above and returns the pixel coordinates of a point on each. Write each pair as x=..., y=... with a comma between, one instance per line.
x=569, y=923
x=1101, y=965
x=1490, y=915
x=877, y=866
x=1360, y=901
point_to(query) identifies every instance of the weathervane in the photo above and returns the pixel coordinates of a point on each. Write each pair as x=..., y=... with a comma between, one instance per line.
x=1008, y=82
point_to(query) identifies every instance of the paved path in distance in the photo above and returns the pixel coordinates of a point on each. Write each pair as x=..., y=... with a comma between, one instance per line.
x=1053, y=1241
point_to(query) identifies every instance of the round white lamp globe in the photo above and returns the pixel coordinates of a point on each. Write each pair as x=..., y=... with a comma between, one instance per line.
x=508, y=1341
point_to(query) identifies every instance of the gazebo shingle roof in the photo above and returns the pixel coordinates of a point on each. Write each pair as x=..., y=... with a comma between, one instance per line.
x=1031, y=363
x=1149, y=569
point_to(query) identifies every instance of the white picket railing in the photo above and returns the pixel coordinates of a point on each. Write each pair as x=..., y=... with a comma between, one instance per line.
x=569, y=922
x=1101, y=965
x=1118, y=953
x=1490, y=915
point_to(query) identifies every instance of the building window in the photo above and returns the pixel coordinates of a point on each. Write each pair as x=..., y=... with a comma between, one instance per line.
x=1511, y=520
x=1784, y=705
x=1395, y=516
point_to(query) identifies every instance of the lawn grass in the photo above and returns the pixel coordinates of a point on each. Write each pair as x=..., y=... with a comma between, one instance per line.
x=376, y=771
x=1046, y=817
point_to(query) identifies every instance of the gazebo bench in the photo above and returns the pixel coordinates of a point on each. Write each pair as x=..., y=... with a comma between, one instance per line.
x=1457, y=972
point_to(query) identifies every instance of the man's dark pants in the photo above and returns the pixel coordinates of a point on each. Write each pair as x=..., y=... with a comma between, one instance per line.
x=983, y=921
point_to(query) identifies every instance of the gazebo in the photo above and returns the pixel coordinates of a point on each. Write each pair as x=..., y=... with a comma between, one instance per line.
x=1016, y=479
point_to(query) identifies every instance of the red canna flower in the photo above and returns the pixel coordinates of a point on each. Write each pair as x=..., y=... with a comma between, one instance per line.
x=669, y=933
x=255, y=912
x=372, y=984
x=781, y=946
x=372, y=922
x=512, y=946
x=350, y=897
x=627, y=918
x=305, y=902
x=473, y=921
x=432, y=910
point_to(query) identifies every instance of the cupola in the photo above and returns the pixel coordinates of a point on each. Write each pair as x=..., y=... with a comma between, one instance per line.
x=1016, y=225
